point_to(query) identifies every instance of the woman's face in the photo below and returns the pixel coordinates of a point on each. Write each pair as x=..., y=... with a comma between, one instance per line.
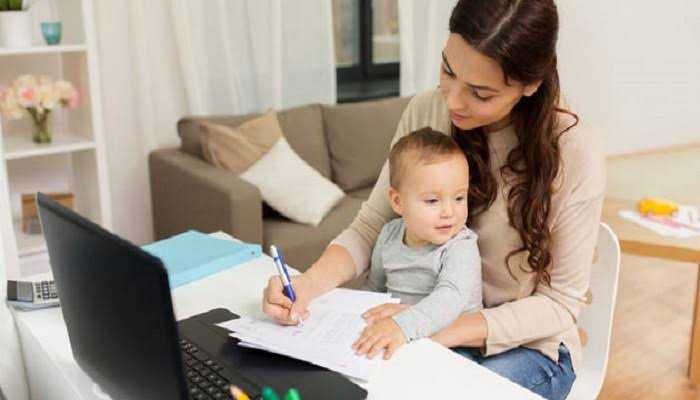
x=474, y=87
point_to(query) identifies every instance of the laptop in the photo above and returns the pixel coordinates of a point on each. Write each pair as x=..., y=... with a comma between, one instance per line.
x=116, y=304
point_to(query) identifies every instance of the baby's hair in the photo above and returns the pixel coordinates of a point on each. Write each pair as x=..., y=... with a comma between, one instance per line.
x=424, y=146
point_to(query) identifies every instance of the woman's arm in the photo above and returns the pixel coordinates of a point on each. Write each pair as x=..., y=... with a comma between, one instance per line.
x=468, y=330
x=554, y=308
x=334, y=268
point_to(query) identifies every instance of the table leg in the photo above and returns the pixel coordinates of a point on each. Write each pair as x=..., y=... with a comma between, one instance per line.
x=694, y=358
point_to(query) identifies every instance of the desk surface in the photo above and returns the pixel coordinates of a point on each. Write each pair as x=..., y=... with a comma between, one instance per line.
x=635, y=239
x=433, y=370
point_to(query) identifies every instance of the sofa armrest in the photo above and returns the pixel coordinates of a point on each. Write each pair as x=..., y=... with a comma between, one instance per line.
x=189, y=193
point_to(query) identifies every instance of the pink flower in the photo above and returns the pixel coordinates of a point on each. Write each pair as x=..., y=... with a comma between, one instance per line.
x=27, y=95
x=74, y=100
x=36, y=95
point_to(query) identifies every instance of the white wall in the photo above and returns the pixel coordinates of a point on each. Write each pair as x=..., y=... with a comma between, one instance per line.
x=632, y=70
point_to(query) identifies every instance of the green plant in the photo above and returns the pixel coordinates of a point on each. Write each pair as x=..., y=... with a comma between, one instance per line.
x=11, y=5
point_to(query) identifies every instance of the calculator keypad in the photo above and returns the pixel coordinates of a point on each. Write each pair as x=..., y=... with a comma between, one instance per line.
x=45, y=290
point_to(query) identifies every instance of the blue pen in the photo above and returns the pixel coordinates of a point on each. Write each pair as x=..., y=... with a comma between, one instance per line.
x=284, y=275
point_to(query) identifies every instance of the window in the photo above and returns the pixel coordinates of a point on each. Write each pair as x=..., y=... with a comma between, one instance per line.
x=367, y=48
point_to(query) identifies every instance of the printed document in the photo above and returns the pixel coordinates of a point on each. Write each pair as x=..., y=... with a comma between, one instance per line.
x=325, y=338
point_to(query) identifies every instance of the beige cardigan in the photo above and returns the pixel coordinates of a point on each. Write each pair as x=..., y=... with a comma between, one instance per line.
x=518, y=313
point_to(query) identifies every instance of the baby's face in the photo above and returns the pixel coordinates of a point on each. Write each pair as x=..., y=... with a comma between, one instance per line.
x=432, y=199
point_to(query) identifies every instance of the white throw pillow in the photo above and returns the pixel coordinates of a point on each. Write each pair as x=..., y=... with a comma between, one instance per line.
x=291, y=186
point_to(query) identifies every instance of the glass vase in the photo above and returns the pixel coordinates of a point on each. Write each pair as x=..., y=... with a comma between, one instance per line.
x=40, y=129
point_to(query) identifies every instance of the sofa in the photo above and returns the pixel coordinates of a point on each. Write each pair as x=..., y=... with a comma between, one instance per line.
x=346, y=143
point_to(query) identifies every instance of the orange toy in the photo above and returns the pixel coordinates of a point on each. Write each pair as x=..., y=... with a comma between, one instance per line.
x=652, y=206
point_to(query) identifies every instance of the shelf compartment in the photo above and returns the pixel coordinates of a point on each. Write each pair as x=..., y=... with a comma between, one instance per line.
x=28, y=244
x=16, y=147
x=74, y=172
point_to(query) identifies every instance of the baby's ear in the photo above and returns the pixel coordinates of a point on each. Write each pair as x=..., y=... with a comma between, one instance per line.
x=395, y=201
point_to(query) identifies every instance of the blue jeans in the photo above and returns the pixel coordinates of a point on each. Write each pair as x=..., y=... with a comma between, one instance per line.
x=530, y=369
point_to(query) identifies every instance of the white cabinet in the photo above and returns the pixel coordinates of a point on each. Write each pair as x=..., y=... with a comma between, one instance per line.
x=75, y=160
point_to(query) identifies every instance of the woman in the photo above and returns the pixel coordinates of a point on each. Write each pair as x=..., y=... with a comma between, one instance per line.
x=536, y=192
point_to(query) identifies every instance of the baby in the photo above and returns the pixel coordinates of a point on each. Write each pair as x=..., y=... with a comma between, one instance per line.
x=427, y=258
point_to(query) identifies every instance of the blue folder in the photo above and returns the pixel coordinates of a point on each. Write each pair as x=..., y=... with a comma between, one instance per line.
x=193, y=255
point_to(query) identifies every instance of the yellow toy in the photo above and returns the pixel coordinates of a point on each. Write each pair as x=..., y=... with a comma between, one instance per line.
x=651, y=206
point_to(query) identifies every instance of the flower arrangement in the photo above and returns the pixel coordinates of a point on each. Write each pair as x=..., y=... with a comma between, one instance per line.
x=37, y=96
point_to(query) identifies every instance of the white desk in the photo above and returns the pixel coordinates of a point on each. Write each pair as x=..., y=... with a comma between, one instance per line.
x=422, y=369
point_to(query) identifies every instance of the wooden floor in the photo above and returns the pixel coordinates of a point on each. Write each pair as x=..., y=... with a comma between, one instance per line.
x=651, y=328
x=651, y=331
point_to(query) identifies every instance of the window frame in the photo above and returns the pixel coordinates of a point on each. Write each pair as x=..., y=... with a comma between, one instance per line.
x=366, y=69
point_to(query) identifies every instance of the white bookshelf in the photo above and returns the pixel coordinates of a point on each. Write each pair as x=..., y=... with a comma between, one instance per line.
x=19, y=147
x=75, y=160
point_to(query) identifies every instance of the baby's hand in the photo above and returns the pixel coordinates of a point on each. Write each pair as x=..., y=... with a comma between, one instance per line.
x=383, y=334
x=386, y=310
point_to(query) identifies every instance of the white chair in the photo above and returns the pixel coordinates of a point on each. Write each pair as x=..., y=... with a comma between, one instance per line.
x=596, y=319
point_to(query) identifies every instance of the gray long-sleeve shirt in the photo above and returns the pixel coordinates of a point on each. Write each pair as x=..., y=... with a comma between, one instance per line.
x=440, y=282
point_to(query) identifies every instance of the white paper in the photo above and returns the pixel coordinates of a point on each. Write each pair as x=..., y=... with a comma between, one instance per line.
x=686, y=215
x=324, y=339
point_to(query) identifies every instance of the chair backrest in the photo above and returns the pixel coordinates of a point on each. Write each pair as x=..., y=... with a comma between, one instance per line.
x=596, y=319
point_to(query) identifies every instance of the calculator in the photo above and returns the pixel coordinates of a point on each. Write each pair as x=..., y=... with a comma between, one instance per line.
x=37, y=292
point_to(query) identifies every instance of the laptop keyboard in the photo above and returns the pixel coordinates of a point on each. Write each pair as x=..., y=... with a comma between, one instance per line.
x=203, y=375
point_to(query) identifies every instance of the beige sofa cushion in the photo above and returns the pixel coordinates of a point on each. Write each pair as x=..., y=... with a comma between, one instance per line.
x=236, y=149
x=302, y=126
x=258, y=152
x=359, y=136
x=362, y=193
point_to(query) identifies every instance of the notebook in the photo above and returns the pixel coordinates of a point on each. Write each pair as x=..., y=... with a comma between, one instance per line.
x=193, y=255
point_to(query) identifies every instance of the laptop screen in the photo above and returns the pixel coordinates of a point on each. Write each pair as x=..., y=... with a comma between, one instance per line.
x=116, y=303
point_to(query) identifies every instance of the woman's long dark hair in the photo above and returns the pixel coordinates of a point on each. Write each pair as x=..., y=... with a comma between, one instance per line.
x=521, y=35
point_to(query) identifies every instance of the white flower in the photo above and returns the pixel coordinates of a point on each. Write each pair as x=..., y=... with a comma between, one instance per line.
x=48, y=96
x=8, y=104
x=65, y=90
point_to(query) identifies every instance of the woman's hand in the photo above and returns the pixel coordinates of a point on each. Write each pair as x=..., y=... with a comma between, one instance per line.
x=277, y=305
x=334, y=268
x=382, y=335
x=383, y=311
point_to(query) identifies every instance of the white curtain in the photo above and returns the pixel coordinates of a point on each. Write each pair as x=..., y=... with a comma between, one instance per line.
x=247, y=56
x=424, y=28
x=13, y=381
x=163, y=59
